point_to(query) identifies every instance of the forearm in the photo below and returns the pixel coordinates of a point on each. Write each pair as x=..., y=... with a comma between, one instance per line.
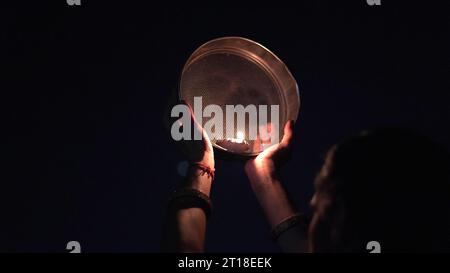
x=278, y=208
x=186, y=227
x=197, y=180
x=273, y=199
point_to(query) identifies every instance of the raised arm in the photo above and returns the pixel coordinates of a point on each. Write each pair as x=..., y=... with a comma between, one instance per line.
x=189, y=205
x=288, y=227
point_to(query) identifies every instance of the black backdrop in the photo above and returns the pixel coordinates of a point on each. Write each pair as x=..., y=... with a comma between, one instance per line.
x=84, y=92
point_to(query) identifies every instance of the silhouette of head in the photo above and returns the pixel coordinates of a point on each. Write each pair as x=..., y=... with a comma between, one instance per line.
x=389, y=186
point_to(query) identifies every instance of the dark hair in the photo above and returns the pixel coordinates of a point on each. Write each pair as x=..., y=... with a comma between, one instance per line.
x=394, y=185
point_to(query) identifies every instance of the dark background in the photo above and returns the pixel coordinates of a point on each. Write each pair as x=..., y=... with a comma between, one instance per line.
x=84, y=91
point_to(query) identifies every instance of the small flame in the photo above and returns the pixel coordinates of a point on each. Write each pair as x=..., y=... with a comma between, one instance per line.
x=240, y=136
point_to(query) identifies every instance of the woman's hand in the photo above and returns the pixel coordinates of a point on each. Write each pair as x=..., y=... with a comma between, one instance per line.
x=262, y=170
x=198, y=151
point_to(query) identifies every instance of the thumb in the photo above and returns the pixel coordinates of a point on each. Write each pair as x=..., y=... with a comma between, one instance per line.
x=288, y=135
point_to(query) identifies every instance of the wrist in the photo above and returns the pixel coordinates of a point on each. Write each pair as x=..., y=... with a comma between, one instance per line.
x=268, y=187
x=275, y=202
x=261, y=176
x=198, y=179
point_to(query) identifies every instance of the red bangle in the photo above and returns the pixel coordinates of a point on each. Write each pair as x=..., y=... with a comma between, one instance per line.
x=205, y=170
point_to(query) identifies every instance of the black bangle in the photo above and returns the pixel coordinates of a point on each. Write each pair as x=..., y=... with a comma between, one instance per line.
x=286, y=224
x=190, y=198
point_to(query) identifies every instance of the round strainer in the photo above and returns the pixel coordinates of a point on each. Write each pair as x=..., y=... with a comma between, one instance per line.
x=237, y=71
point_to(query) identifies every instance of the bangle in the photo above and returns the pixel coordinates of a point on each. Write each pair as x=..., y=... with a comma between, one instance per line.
x=205, y=170
x=189, y=198
x=286, y=224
